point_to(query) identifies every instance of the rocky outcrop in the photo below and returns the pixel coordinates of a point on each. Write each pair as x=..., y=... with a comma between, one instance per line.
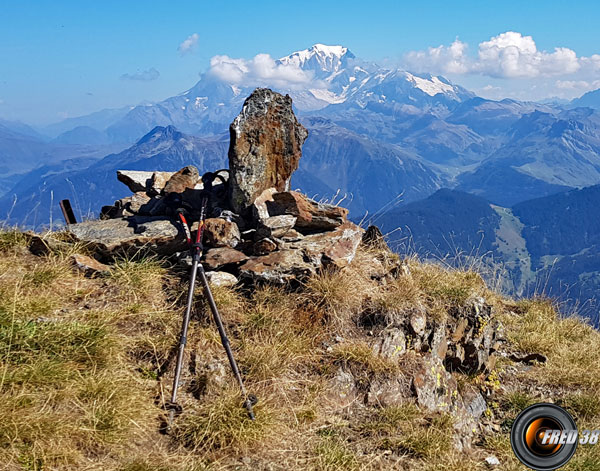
x=265, y=147
x=255, y=227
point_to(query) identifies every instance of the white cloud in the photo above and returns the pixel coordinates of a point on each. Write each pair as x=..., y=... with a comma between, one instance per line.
x=142, y=75
x=508, y=55
x=260, y=70
x=447, y=59
x=189, y=44
x=578, y=85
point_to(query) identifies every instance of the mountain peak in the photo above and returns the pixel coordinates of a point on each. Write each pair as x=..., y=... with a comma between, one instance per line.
x=319, y=58
x=162, y=133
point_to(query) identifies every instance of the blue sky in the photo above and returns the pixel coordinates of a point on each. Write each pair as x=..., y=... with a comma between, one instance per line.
x=67, y=58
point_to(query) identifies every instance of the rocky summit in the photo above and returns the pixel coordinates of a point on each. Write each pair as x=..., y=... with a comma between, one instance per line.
x=278, y=234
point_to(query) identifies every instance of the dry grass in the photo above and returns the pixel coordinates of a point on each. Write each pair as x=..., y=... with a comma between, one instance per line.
x=87, y=363
x=536, y=327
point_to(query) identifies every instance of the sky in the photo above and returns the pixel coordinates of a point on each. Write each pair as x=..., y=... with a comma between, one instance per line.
x=67, y=58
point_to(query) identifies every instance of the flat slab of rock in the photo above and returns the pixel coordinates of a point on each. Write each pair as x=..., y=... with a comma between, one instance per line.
x=221, y=257
x=336, y=247
x=278, y=267
x=135, y=180
x=265, y=147
x=111, y=236
x=310, y=215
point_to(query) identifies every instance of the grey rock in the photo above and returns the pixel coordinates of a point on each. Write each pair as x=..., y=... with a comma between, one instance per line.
x=275, y=226
x=221, y=278
x=391, y=343
x=135, y=180
x=278, y=267
x=107, y=237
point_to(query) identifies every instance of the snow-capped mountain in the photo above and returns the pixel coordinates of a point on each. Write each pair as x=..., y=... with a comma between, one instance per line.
x=338, y=78
x=435, y=133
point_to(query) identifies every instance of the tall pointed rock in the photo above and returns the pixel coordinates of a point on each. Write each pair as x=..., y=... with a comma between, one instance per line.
x=265, y=147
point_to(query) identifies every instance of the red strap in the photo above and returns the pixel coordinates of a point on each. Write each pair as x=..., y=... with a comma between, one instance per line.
x=186, y=228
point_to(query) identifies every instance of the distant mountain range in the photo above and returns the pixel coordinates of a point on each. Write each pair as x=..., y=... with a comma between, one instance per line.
x=383, y=139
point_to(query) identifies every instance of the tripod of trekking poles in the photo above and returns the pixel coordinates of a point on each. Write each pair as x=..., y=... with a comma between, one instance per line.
x=196, y=249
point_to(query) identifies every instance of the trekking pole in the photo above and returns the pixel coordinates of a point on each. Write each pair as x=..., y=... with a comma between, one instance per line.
x=196, y=251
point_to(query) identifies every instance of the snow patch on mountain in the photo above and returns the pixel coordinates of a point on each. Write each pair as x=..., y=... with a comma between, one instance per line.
x=431, y=87
x=327, y=96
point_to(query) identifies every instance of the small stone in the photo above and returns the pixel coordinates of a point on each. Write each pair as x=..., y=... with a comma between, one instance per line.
x=88, y=265
x=418, y=321
x=264, y=247
x=221, y=278
x=221, y=233
x=219, y=257
x=492, y=461
x=275, y=226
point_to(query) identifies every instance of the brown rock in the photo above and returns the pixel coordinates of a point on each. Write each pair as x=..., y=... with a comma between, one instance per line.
x=221, y=233
x=278, y=267
x=264, y=247
x=88, y=265
x=310, y=215
x=219, y=257
x=158, y=181
x=185, y=178
x=265, y=147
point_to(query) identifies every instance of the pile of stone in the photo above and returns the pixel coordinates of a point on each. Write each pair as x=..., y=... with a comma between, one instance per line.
x=257, y=228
